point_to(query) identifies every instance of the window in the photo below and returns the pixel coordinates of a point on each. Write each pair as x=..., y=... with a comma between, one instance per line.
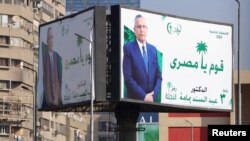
x=4, y=40
x=14, y=41
x=52, y=124
x=103, y=126
x=15, y=84
x=62, y=129
x=28, y=2
x=4, y=129
x=106, y=126
x=8, y=1
x=4, y=62
x=48, y=9
x=18, y=2
x=4, y=84
x=19, y=42
x=4, y=20
x=45, y=124
x=15, y=63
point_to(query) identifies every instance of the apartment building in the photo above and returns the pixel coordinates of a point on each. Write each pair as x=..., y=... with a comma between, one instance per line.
x=17, y=78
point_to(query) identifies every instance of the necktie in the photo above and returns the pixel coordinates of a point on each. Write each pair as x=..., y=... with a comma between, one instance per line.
x=145, y=58
x=51, y=59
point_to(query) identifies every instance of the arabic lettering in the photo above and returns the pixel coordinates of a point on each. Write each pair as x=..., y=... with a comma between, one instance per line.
x=213, y=101
x=219, y=34
x=80, y=91
x=77, y=60
x=200, y=99
x=192, y=99
x=185, y=97
x=174, y=28
x=199, y=89
x=223, y=95
x=195, y=65
x=171, y=96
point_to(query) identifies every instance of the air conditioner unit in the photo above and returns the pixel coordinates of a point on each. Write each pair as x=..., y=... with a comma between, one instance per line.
x=39, y=136
x=45, y=128
x=35, y=10
x=54, y=132
x=38, y=123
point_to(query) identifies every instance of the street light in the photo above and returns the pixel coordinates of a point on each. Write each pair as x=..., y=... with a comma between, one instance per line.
x=192, y=130
x=239, y=84
x=92, y=97
x=34, y=103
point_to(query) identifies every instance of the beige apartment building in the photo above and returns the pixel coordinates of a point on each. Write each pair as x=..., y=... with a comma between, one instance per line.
x=17, y=80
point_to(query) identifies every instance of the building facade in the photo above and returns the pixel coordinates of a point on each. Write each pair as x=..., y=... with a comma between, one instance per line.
x=17, y=80
x=19, y=21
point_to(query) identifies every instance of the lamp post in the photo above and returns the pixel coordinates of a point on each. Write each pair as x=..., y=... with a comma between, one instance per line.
x=34, y=104
x=35, y=10
x=238, y=74
x=192, y=130
x=92, y=97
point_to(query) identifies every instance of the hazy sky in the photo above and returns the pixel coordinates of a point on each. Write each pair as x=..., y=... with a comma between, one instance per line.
x=225, y=11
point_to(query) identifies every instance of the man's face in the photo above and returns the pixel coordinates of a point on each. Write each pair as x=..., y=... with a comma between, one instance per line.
x=50, y=40
x=141, y=29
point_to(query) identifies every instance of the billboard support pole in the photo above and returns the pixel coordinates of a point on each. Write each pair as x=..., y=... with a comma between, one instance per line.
x=126, y=122
x=239, y=84
x=92, y=85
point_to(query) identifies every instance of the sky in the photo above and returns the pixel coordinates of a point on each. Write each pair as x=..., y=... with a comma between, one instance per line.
x=225, y=11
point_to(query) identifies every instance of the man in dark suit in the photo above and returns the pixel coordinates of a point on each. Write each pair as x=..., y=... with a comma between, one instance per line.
x=141, y=71
x=52, y=73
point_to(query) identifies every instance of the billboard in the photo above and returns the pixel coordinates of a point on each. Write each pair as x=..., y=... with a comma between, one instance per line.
x=148, y=132
x=174, y=61
x=67, y=56
x=148, y=127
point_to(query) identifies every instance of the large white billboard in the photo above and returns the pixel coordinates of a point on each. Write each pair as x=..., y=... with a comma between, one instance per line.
x=193, y=57
x=65, y=61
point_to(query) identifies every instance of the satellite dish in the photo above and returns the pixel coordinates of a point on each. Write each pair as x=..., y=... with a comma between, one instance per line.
x=16, y=19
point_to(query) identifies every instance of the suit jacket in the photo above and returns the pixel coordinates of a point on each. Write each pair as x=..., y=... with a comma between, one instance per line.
x=138, y=82
x=52, y=79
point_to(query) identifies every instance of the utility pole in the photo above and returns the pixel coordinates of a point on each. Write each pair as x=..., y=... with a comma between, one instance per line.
x=34, y=104
x=239, y=84
x=192, y=130
x=92, y=97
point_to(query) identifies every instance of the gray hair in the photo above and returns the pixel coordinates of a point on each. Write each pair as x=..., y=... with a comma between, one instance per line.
x=137, y=17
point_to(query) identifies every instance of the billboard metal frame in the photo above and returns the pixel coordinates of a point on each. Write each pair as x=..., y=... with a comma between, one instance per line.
x=98, y=67
x=115, y=81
